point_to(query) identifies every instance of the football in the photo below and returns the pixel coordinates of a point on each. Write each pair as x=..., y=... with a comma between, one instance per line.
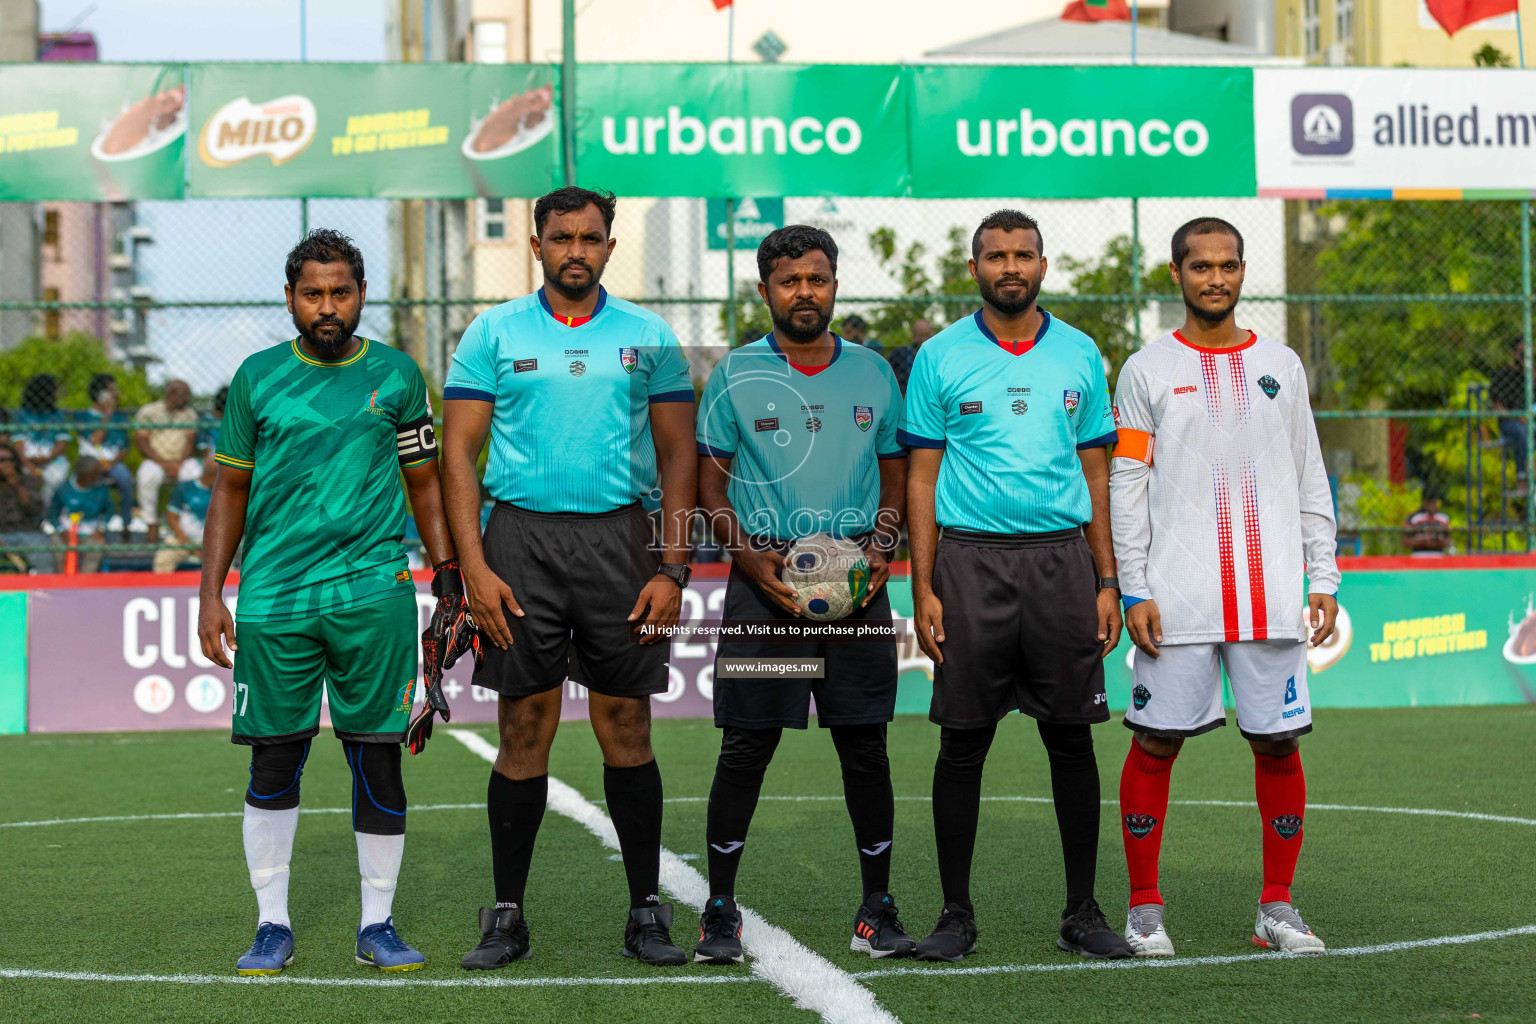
x=829, y=576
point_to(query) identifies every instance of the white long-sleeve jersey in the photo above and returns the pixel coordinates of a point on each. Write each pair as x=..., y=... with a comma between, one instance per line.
x=1218, y=495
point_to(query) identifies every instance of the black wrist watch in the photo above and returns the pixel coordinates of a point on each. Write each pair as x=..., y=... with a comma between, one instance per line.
x=1109, y=583
x=679, y=573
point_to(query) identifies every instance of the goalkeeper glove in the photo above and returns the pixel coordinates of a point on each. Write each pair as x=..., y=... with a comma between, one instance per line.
x=449, y=636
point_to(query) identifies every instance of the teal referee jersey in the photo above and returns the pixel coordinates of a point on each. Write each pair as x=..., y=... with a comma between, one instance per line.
x=805, y=447
x=1010, y=425
x=571, y=427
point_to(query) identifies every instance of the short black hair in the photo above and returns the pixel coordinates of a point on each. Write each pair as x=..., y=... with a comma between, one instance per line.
x=1202, y=226
x=324, y=245
x=854, y=320
x=569, y=198
x=99, y=383
x=1006, y=220
x=41, y=393
x=220, y=398
x=792, y=242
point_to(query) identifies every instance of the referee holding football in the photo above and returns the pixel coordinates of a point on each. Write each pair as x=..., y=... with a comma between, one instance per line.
x=798, y=437
x=1008, y=419
x=583, y=396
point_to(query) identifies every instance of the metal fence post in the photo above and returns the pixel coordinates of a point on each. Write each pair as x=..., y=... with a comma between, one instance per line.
x=568, y=90
x=730, y=272
x=1136, y=342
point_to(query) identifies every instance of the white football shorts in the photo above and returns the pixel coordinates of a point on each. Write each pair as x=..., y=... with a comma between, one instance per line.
x=1179, y=693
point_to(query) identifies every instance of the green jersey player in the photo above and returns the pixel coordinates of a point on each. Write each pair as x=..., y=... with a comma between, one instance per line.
x=316, y=434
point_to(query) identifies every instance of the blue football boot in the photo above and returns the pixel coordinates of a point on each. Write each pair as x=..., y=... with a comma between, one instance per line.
x=380, y=946
x=270, y=953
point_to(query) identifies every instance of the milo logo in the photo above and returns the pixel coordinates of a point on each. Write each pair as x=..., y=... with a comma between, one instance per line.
x=279, y=129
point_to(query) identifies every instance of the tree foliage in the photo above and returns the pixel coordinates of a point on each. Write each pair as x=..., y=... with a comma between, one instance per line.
x=73, y=360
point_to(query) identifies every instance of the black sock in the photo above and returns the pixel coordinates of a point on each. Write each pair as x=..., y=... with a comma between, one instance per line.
x=957, y=806
x=744, y=757
x=1075, y=787
x=634, y=804
x=516, y=807
x=871, y=806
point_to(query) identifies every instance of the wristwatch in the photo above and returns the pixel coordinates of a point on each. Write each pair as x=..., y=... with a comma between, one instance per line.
x=1109, y=583
x=678, y=573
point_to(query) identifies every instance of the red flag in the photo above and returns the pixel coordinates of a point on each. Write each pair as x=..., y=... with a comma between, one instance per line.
x=721, y=5
x=1455, y=15
x=1103, y=10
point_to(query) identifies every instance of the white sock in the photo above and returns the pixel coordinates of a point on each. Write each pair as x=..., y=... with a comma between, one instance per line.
x=378, y=861
x=268, y=849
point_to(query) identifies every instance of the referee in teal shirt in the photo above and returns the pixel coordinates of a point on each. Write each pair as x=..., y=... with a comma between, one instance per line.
x=1008, y=420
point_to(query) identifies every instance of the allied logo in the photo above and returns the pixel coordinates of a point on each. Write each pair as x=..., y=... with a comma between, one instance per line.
x=769, y=424
x=578, y=368
x=970, y=408
x=1287, y=825
x=1070, y=400
x=629, y=358
x=524, y=365
x=1290, y=690
x=1020, y=407
x=1140, y=825
x=1269, y=385
x=813, y=424
x=863, y=416
x=1140, y=696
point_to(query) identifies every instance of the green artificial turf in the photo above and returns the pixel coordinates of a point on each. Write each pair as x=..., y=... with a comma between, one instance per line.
x=169, y=897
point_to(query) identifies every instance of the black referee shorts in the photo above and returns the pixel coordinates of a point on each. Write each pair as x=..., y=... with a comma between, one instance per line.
x=576, y=576
x=1021, y=629
x=858, y=686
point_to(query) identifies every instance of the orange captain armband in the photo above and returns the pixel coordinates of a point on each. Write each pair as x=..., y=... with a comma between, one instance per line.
x=1134, y=444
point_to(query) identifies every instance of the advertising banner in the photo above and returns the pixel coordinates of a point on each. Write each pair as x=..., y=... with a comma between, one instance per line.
x=416, y=131
x=1081, y=132
x=742, y=129
x=95, y=132
x=1385, y=132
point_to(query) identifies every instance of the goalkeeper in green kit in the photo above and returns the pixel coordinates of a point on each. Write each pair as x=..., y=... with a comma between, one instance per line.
x=317, y=432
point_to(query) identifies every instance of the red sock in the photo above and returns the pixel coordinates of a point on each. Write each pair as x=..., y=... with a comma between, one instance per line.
x=1143, y=806
x=1282, y=791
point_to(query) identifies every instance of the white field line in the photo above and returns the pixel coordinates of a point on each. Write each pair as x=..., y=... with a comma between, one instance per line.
x=1202, y=961
x=813, y=982
x=220, y=814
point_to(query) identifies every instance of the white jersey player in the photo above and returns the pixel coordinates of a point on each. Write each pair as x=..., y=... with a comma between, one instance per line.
x=1219, y=502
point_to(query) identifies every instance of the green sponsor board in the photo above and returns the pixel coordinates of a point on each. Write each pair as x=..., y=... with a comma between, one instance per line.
x=1405, y=638
x=13, y=662
x=419, y=131
x=1081, y=132
x=91, y=131
x=754, y=220
x=727, y=129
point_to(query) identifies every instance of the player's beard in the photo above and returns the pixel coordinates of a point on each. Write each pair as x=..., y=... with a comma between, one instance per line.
x=1211, y=316
x=1005, y=306
x=786, y=325
x=572, y=292
x=333, y=346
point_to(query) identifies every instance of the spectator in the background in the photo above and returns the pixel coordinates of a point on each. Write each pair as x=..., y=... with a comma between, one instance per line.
x=167, y=451
x=21, y=513
x=856, y=330
x=1506, y=387
x=87, y=497
x=186, y=514
x=901, y=359
x=42, y=448
x=104, y=436
x=1427, y=532
x=208, y=426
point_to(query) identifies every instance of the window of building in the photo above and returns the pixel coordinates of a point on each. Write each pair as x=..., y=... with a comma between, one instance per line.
x=490, y=39
x=51, y=329
x=492, y=220
x=1311, y=28
x=1344, y=22
x=51, y=227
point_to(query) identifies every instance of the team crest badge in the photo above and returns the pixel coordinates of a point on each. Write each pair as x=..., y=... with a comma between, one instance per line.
x=863, y=416
x=1140, y=825
x=1269, y=386
x=1140, y=696
x=406, y=696
x=1070, y=400
x=1116, y=410
x=628, y=358
x=1287, y=825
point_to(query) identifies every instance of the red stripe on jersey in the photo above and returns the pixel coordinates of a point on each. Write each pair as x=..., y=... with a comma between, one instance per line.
x=1212, y=379
x=1255, y=554
x=1224, y=549
x=1239, y=385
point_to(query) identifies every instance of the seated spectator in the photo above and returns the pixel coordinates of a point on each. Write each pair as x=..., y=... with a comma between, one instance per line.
x=21, y=515
x=103, y=438
x=855, y=329
x=1427, y=533
x=85, y=502
x=208, y=426
x=901, y=359
x=167, y=450
x=186, y=514
x=42, y=448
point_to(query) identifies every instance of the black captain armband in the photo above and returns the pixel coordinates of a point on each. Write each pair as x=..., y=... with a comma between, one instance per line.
x=416, y=441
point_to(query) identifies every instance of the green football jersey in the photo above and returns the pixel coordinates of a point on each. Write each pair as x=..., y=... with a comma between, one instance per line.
x=325, y=443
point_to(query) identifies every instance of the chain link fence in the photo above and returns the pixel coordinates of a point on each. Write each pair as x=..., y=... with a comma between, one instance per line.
x=1412, y=319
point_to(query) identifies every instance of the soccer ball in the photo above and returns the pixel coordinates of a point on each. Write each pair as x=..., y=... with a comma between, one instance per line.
x=829, y=576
